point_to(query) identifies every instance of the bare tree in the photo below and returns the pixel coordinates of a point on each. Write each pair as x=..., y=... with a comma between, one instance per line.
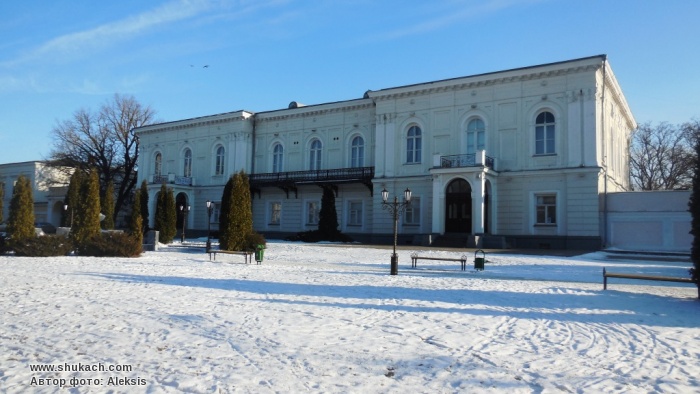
x=104, y=141
x=661, y=157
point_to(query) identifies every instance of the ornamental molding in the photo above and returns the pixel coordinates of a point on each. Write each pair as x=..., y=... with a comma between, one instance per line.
x=466, y=83
x=305, y=112
x=190, y=123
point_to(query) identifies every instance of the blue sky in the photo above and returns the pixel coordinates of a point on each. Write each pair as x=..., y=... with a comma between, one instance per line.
x=60, y=56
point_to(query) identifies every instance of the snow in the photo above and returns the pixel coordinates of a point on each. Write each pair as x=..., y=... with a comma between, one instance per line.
x=329, y=318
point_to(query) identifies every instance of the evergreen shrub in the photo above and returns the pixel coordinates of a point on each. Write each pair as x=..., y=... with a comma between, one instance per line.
x=44, y=246
x=318, y=236
x=3, y=245
x=254, y=239
x=112, y=244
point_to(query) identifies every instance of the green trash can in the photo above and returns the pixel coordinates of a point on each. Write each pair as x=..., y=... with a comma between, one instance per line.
x=479, y=261
x=259, y=253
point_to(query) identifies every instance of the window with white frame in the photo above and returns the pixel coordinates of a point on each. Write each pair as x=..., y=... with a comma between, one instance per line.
x=544, y=134
x=546, y=209
x=313, y=209
x=220, y=155
x=277, y=157
x=158, y=170
x=216, y=212
x=315, y=155
x=357, y=152
x=187, y=170
x=476, y=135
x=275, y=213
x=412, y=215
x=355, y=213
x=413, y=145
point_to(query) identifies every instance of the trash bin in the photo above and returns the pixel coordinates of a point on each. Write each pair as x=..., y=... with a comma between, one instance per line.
x=479, y=261
x=259, y=253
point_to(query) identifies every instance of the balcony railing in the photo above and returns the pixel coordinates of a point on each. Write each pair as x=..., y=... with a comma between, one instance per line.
x=289, y=181
x=466, y=160
x=313, y=176
x=172, y=179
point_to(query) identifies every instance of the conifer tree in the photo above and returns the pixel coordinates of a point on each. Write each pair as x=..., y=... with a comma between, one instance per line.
x=225, y=237
x=166, y=216
x=20, y=223
x=136, y=223
x=328, y=216
x=694, y=208
x=170, y=215
x=72, y=198
x=144, y=205
x=238, y=218
x=2, y=197
x=86, y=217
x=243, y=211
x=159, y=220
x=107, y=204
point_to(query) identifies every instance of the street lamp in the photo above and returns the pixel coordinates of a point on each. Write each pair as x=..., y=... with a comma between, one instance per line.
x=396, y=208
x=210, y=210
x=65, y=208
x=184, y=210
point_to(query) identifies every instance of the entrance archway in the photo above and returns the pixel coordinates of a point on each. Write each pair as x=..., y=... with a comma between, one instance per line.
x=180, y=200
x=458, y=207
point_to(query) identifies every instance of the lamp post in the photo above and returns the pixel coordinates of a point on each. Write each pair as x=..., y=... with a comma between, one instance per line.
x=184, y=210
x=65, y=208
x=210, y=210
x=396, y=208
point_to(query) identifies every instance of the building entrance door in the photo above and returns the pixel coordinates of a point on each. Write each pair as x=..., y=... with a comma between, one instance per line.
x=458, y=207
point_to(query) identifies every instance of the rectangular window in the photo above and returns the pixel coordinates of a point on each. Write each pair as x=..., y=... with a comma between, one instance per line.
x=215, y=212
x=312, y=212
x=546, y=209
x=275, y=213
x=355, y=213
x=412, y=215
x=544, y=140
x=219, y=164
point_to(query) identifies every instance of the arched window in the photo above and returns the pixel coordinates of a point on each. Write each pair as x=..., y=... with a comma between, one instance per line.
x=277, y=156
x=187, y=170
x=544, y=134
x=220, y=154
x=158, y=168
x=476, y=135
x=315, y=155
x=413, y=145
x=357, y=152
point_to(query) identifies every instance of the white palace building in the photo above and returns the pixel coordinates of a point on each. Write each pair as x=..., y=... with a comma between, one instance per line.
x=516, y=158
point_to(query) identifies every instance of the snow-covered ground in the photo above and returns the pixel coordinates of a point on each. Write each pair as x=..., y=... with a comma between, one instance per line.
x=330, y=318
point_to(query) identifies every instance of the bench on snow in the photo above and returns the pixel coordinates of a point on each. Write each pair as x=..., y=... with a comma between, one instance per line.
x=462, y=260
x=246, y=254
x=607, y=275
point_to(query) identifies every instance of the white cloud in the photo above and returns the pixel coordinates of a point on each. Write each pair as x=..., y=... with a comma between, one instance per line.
x=461, y=11
x=88, y=41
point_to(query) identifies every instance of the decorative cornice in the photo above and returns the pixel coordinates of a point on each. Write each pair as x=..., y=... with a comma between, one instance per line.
x=195, y=122
x=307, y=111
x=475, y=82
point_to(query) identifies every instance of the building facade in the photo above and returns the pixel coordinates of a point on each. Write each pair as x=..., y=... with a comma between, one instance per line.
x=49, y=187
x=521, y=158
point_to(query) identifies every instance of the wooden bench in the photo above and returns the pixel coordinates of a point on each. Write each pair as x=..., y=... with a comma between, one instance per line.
x=247, y=255
x=607, y=275
x=462, y=260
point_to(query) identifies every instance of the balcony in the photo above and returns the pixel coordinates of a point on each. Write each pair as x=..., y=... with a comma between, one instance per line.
x=172, y=179
x=467, y=160
x=289, y=181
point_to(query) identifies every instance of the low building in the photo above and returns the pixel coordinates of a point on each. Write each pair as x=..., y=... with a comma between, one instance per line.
x=49, y=187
